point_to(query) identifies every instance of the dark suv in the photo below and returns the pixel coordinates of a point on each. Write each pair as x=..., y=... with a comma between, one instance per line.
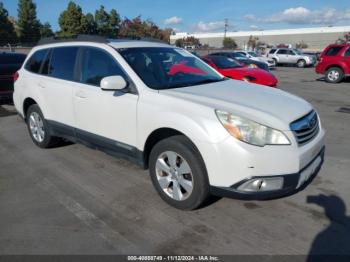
x=9, y=64
x=335, y=63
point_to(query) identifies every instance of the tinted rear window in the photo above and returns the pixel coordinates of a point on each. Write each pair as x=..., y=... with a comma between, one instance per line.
x=34, y=63
x=62, y=62
x=8, y=59
x=333, y=51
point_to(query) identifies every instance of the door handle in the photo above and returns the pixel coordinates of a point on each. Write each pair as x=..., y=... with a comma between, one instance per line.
x=41, y=85
x=80, y=94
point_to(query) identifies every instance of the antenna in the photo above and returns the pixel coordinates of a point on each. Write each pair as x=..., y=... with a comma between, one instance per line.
x=226, y=26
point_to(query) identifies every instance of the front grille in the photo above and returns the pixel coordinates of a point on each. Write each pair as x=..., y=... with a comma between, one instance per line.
x=306, y=128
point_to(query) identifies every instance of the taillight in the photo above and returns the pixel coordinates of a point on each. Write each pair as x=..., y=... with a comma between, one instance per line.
x=15, y=76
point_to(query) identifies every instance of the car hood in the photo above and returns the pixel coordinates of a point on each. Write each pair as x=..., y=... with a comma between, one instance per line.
x=265, y=105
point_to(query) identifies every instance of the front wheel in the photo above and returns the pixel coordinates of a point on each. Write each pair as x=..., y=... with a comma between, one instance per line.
x=301, y=63
x=178, y=173
x=334, y=75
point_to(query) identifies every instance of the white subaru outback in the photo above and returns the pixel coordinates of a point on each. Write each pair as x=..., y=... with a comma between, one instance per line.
x=198, y=132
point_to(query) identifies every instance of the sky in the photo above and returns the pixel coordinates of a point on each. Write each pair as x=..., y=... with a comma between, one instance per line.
x=208, y=15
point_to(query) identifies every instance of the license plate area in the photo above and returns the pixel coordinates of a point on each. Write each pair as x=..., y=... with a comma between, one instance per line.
x=307, y=172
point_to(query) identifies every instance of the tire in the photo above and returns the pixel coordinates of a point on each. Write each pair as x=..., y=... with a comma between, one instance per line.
x=186, y=153
x=301, y=63
x=274, y=59
x=35, y=121
x=334, y=75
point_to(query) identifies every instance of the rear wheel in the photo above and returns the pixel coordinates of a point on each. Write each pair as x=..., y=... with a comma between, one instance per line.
x=334, y=75
x=178, y=173
x=39, y=129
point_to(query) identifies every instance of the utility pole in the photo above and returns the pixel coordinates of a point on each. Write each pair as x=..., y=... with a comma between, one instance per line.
x=226, y=26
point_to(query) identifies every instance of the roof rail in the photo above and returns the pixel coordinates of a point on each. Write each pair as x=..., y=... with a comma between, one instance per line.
x=95, y=38
x=82, y=38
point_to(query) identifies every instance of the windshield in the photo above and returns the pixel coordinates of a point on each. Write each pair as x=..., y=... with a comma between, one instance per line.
x=165, y=68
x=298, y=52
x=223, y=62
x=253, y=54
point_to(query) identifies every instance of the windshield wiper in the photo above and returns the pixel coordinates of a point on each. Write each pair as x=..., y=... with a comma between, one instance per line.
x=208, y=81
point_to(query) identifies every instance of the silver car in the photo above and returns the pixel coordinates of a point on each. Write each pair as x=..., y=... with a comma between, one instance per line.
x=291, y=56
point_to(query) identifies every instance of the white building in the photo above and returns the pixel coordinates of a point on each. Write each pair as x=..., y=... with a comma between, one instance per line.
x=316, y=38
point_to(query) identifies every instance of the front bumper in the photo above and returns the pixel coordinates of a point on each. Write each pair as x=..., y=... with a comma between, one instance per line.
x=292, y=183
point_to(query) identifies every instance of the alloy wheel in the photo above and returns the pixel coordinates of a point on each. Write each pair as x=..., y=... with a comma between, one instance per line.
x=36, y=126
x=174, y=175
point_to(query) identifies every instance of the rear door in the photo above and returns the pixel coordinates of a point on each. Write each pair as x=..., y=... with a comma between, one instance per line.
x=56, y=86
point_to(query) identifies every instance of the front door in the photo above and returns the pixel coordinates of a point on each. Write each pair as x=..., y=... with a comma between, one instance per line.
x=105, y=118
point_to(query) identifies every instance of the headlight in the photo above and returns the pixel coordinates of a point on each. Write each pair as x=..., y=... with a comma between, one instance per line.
x=251, y=132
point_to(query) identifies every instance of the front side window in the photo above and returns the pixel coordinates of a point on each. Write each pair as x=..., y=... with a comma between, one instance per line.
x=165, y=68
x=97, y=64
x=34, y=63
x=333, y=51
x=347, y=52
x=62, y=62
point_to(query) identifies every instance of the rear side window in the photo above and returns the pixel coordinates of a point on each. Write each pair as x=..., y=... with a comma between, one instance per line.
x=97, y=64
x=333, y=51
x=282, y=52
x=62, y=62
x=272, y=51
x=34, y=63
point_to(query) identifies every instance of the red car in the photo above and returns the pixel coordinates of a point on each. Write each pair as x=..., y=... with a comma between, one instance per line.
x=334, y=63
x=233, y=69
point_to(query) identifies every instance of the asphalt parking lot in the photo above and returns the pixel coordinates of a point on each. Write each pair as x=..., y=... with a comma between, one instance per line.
x=74, y=200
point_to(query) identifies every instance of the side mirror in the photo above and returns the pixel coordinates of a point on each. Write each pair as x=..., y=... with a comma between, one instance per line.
x=113, y=83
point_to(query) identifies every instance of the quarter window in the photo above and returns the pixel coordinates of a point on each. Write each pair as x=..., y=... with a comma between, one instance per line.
x=97, y=64
x=34, y=63
x=333, y=51
x=62, y=62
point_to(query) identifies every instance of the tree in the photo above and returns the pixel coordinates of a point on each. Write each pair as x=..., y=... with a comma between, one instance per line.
x=71, y=20
x=301, y=45
x=252, y=42
x=137, y=28
x=229, y=43
x=114, y=22
x=343, y=40
x=188, y=41
x=28, y=24
x=102, y=20
x=88, y=24
x=7, y=31
x=45, y=30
